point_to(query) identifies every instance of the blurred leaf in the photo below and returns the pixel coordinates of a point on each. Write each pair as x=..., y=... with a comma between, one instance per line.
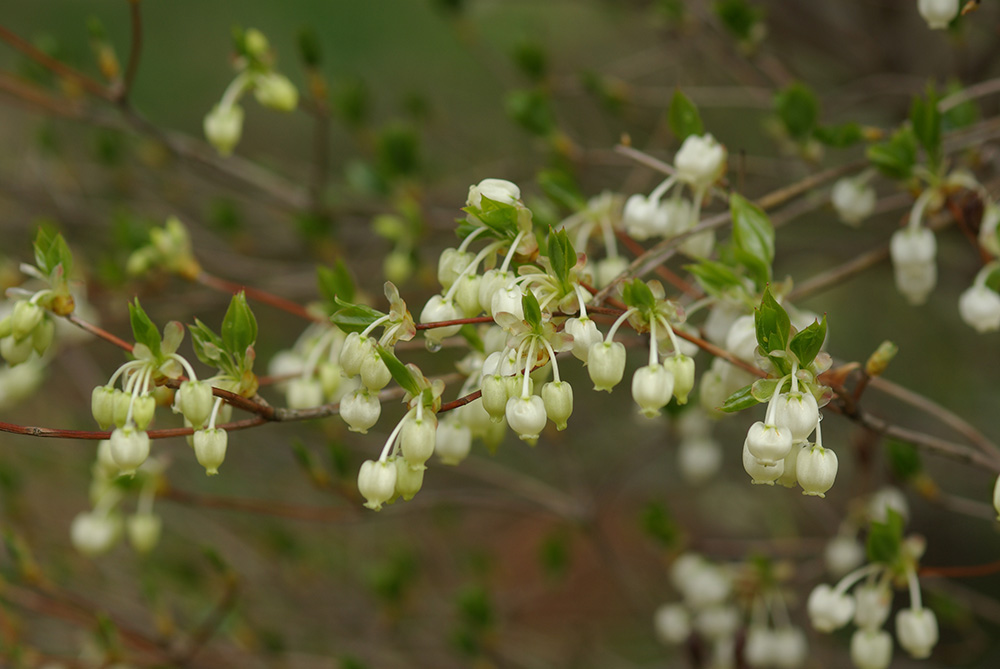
x=354, y=317
x=683, y=117
x=904, y=459
x=839, y=136
x=561, y=188
x=715, y=278
x=309, y=49
x=335, y=282
x=961, y=115
x=51, y=251
x=398, y=150
x=637, y=294
x=926, y=122
x=798, y=109
x=529, y=57
x=738, y=16
x=530, y=109
x=351, y=102
x=554, y=553
x=532, y=312
x=400, y=373
x=885, y=539
x=562, y=257
x=658, y=524
x=772, y=324
x=753, y=238
x=895, y=157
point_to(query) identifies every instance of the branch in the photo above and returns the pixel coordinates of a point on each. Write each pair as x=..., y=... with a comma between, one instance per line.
x=88, y=84
x=135, y=50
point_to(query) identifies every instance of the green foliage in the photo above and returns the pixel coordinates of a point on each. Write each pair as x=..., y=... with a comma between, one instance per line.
x=637, y=294
x=398, y=151
x=961, y=115
x=896, y=157
x=52, y=254
x=904, y=459
x=740, y=400
x=531, y=109
x=885, y=540
x=143, y=329
x=753, y=238
x=500, y=217
x=335, y=282
x=239, y=326
x=352, y=101
x=400, y=372
x=530, y=59
x=309, y=48
x=772, y=326
x=659, y=525
x=714, y=277
x=738, y=16
x=763, y=389
x=926, y=122
x=798, y=109
x=839, y=136
x=683, y=117
x=532, y=310
x=554, y=553
x=354, y=317
x=562, y=257
x=561, y=188
x=806, y=345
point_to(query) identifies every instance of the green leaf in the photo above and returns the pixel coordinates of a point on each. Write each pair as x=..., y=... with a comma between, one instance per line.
x=961, y=115
x=740, y=400
x=683, y=117
x=529, y=57
x=772, y=324
x=143, y=329
x=532, y=312
x=659, y=525
x=895, y=157
x=738, y=16
x=335, y=282
x=798, y=110
x=207, y=344
x=806, y=344
x=501, y=217
x=904, y=459
x=531, y=110
x=51, y=251
x=926, y=121
x=354, y=317
x=753, y=238
x=562, y=256
x=637, y=294
x=885, y=539
x=239, y=327
x=839, y=136
x=714, y=277
x=763, y=389
x=399, y=371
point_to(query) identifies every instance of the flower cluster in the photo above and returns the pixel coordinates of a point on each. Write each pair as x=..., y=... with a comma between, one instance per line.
x=224, y=124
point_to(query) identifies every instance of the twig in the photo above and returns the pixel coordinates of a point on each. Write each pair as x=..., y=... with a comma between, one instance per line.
x=135, y=50
x=99, y=332
x=276, y=301
x=56, y=66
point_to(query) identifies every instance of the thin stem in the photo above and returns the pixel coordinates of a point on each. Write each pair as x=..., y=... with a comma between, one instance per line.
x=135, y=50
x=99, y=332
x=54, y=65
x=618, y=323
x=510, y=254
x=257, y=294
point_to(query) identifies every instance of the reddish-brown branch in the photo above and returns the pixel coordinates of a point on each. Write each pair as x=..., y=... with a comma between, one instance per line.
x=458, y=321
x=226, y=286
x=135, y=50
x=964, y=571
x=99, y=332
x=636, y=249
x=54, y=65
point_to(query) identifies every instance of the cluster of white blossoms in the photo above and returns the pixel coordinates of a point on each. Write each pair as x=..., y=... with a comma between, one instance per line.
x=700, y=162
x=710, y=614
x=224, y=124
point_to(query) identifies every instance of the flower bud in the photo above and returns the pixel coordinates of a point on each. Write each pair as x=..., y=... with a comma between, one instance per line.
x=409, y=479
x=980, y=308
x=816, y=470
x=453, y=442
x=102, y=405
x=789, y=478
x=195, y=400
x=916, y=281
x=871, y=649
x=493, y=281
x=717, y=622
x=93, y=533
x=304, y=393
x=143, y=531
x=375, y=373
x=885, y=499
x=761, y=474
x=25, y=318
x=353, y=353
x=495, y=396
x=276, y=91
x=417, y=438
x=917, y=631
x=143, y=408
x=699, y=245
x=652, y=388
x=760, y=646
x=451, y=263
x=467, y=295
x=829, y=609
x=672, y=623
x=853, y=200
x=585, y=334
x=438, y=309
x=873, y=605
x=681, y=367
x=526, y=416
x=122, y=400
x=700, y=162
x=360, y=410
x=768, y=443
x=498, y=190
x=377, y=483
x=606, y=364
x=42, y=337
x=798, y=412
x=330, y=378
x=223, y=127
x=558, y=399
x=15, y=352
x=912, y=246
x=210, y=449
x=938, y=13
x=129, y=448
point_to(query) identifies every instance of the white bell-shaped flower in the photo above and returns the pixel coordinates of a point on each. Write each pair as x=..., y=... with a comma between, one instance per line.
x=829, y=609
x=607, y=269
x=816, y=470
x=853, y=200
x=761, y=474
x=275, y=91
x=741, y=340
x=644, y=218
x=938, y=13
x=360, y=410
x=453, y=442
x=916, y=281
x=467, y=295
x=303, y=393
x=700, y=162
x=672, y=623
x=375, y=373
x=143, y=530
x=451, y=263
x=717, y=622
x=194, y=400
x=698, y=459
x=585, y=334
x=871, y=648
x=210, y=449
x=353, y=352
x=509, y=299
x=409, y=479
x=498, y=190
x=758, y=651
x=223, y=127
x=769, y=444
x=789, y=648
x=377, y=482
x=558, y=398
x=874, y=602
x=129, y=448
x=417, y=439
x=912, y=246
x=888, y=498
x=102, y=405
x=681, y=368
x=652, y=388
x=436, y=310
x=495, y=396
x=526, y=416
x=492, y=282
x=843, y=554
x=93, y=533
x=980, y=308
x=606, y=364
x=797, y=411
x=917, y=631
